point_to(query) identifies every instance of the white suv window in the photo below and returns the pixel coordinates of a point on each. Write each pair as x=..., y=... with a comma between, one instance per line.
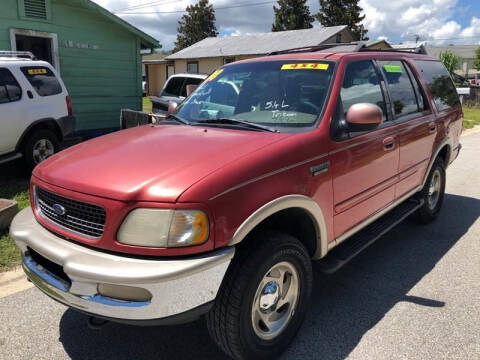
x=9, y=88
x=43, y=80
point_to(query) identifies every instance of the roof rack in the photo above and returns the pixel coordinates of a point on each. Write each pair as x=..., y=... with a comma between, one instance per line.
x=357, y=46
x=17, y=54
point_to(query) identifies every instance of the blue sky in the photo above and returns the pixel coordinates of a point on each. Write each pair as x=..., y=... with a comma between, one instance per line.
x=438, y=22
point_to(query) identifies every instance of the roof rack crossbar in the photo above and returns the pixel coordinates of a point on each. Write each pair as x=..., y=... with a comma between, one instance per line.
x=19, y=54
x=314, y=48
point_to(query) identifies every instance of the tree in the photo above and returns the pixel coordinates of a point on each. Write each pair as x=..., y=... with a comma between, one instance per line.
x=197, y=24
x=476, y=61
x=292, y=15
x=343, y=12
x=450, y=60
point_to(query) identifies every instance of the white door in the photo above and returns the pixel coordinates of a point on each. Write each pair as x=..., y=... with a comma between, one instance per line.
x=12, y=112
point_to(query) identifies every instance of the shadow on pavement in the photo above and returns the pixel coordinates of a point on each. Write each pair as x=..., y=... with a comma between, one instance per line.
x=344, y=306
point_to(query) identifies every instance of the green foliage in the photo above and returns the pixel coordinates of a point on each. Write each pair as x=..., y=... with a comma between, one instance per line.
x=9, y=253
x=476, y=61
x=450, y=60
x=342, y=12
x=292, y=15
x=197, y=24
x=471, y=117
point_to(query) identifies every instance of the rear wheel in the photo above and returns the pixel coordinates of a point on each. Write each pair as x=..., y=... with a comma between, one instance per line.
x=263, y=299
x=39, y=145
x=432, y=194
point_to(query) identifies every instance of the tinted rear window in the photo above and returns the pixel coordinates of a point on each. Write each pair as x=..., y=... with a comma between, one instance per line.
x=439, y=83
x=174, y=87
x=43, y=80
x=190, y=81
x=9, y=88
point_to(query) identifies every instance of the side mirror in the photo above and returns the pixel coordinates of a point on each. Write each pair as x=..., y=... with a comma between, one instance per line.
x=191, y=88
x=364, y=116
x=171, y=107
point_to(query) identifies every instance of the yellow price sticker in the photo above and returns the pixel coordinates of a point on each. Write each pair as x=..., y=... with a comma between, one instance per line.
x=305, y=66
x=214, y=74
x=36, y=71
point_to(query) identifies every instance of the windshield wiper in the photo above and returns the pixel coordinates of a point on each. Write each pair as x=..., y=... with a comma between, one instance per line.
x=178, y=119
x=233, y=121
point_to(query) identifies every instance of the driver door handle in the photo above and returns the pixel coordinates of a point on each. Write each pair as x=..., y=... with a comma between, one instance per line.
x=389, y=143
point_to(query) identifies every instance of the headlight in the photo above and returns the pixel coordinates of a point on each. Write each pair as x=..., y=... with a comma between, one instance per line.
x=164, y=228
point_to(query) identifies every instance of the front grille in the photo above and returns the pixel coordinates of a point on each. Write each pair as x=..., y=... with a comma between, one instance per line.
x=78, y=217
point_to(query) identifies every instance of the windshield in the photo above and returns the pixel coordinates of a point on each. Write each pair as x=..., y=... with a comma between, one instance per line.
x=280, y=94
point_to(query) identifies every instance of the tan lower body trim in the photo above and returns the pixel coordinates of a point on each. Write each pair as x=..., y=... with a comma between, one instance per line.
x=371, y=219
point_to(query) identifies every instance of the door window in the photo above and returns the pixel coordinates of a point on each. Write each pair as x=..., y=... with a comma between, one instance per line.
x=9, y=88
x=400, y=88
x=439, y=83
x=361, y=84
x=43, y=80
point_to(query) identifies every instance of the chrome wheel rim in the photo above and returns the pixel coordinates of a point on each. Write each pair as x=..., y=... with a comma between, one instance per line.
x=434, y=189
x=42, y=149
x=275, y=300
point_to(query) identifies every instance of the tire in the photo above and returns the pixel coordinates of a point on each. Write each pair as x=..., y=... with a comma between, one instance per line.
x=32, y=144
x=231, y=322
x=432, y=194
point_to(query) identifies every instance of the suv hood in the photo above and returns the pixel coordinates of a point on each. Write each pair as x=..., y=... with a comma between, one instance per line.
x=149, y=163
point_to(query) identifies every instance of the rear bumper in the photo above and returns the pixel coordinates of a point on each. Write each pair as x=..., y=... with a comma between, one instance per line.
x=176, y=286
x=66, y=124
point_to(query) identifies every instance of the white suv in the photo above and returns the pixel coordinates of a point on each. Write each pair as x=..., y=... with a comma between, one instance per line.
x=35, y=109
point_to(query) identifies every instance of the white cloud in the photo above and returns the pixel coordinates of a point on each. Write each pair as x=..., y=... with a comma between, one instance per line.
x=397, y=20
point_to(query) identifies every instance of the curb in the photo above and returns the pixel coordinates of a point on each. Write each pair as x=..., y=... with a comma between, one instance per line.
x=13, y=281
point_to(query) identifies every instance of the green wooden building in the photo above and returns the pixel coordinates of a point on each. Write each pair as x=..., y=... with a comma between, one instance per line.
x=96, y=53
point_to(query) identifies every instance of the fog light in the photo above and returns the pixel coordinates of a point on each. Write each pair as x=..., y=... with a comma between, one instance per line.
x=125, y=293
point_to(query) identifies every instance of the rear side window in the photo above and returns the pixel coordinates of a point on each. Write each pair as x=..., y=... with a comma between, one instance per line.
x=400, y=87
x=9, y=88
x=174, y=87
x=361, y=84
x=43, y=80
x=439, y=83
x=189, y=81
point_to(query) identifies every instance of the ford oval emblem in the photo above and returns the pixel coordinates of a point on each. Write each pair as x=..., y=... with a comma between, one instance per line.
x=59, y=209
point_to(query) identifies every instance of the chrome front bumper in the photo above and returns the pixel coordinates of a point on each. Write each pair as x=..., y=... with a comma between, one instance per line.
x=176, y=285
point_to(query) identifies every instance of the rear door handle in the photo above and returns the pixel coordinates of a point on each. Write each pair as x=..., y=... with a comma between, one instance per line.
x=432, y=127
x=388, y=143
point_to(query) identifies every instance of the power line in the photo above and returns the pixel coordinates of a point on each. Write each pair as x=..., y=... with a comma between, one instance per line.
x=152, y=3
x=184, y=11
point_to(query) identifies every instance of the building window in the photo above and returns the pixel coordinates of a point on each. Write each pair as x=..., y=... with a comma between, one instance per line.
x=228, y=60
x=192, y=67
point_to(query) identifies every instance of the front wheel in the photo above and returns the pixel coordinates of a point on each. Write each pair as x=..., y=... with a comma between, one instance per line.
x=432, y=194
x=263, y=299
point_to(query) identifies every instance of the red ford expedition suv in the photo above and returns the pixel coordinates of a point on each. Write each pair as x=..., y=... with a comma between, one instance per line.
x=220, y=209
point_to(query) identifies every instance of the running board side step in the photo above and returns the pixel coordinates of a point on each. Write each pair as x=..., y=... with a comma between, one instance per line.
x=347, y=250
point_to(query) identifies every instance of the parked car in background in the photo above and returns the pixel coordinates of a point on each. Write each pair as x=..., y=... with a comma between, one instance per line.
x=220, y=209
x=35, y=109
x=174, y=90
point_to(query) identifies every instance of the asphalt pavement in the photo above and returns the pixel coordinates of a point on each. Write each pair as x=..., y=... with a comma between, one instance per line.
x=414, y=294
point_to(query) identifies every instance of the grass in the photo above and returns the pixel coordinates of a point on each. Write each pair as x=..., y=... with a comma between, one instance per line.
x=9, y=254
x=471, y=117
x=147, y=105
